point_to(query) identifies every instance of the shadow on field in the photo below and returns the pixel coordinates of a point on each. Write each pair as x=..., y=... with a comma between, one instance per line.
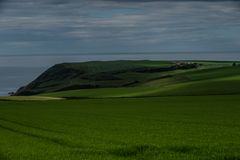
x=134, y=150
x=2, y=156
x=149, y=150
x=146, y=151
x=29, y=126
x=183, y=149
x=53, y=140
x=231, y=158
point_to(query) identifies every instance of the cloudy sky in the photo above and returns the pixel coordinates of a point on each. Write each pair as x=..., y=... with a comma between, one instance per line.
x=98, y=26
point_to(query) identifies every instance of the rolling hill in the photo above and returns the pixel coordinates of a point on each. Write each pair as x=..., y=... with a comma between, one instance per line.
x=135, y=79
x=112, y=74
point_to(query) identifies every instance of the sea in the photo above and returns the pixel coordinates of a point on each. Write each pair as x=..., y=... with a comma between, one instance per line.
x=19, y=70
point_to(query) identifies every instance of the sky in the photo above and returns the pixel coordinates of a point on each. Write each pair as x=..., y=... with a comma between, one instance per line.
x=62, y=27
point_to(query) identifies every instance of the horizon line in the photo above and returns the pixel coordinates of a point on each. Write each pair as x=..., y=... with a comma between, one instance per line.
x=116, y=53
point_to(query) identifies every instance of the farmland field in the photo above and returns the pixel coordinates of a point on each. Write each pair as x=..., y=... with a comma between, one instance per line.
x=183, y=127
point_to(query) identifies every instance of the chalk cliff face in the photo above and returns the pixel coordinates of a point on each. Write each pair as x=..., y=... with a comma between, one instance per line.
x=72, y=76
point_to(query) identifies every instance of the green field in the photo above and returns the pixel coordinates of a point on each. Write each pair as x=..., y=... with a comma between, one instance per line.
x=201, y=127
x=185, y=114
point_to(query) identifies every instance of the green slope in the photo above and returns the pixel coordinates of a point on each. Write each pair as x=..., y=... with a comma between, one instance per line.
x=109, y=74
x=69, y=76
x=217, y=81
x=135, y=78
x=211, y=81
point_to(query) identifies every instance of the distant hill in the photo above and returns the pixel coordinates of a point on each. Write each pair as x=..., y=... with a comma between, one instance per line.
x=100, y=74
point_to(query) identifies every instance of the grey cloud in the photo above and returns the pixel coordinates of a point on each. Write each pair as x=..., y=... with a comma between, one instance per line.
x=1, y=4
x=107, y=25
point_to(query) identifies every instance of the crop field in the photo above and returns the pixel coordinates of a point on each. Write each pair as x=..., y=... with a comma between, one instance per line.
x=194, y=127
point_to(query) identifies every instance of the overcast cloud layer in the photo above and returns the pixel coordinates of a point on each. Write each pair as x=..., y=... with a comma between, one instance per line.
x=92, y=26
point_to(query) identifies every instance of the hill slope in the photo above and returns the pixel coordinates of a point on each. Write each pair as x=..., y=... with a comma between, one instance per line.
x=225, y=82
x=135, y=79
x=111, y=74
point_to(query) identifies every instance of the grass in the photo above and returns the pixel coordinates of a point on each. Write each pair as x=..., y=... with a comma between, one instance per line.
x=28, y=98
x=98, y=74
x=221, y=86
x=115, y=74
x=210, y=81
x=188, y=114
x=201, y=127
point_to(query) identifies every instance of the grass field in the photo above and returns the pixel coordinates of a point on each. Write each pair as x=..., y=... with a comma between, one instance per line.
x=191, y=114
x=198, y=127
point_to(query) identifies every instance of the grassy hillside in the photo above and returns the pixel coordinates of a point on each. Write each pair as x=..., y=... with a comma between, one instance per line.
x=189, y=128
x=111, y=74
x=124, y=74
x=220, y=80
